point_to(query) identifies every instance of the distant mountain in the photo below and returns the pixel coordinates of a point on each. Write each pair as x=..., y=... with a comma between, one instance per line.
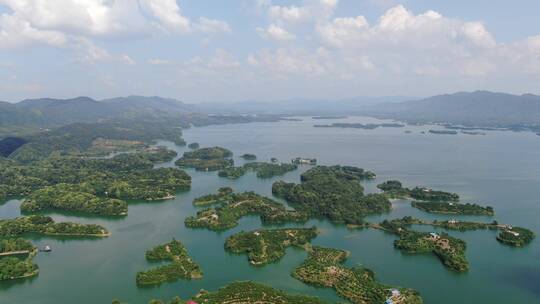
x=300, y=106
x=480, y=108
x=52, y=112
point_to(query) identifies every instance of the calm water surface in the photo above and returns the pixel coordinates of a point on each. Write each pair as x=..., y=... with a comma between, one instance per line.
x=501, y=169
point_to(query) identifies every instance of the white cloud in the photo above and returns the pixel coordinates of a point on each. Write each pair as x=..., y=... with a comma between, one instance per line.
x=16, y=32
x=212, y=26
x=310, y=10
x=169, y=14
x=157, y=61
x=276, y=33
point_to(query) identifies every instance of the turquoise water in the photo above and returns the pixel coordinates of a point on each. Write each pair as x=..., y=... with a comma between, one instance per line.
x=501, y=169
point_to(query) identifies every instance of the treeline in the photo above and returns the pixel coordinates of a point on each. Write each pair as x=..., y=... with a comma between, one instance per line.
x=334, y=193
x=263, y=170
x=45, y=225
x=206, y=159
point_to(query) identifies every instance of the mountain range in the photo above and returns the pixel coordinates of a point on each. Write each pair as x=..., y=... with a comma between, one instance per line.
x=480, y=108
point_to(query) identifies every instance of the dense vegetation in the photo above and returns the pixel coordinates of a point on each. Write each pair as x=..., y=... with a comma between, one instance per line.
x=45, y=225
x=333, y=192
x=394, y=189
x=79, y=138
x=453, y=208
x=10, y=144
x=246, y=293
x=516, y=236
x=324, y=268
x=206, y=159
x=249, y=156
x=267, y=246
x=73, y=198
x=450, y=250
x=91, y=185
x=233, y=206
x=361, y=126
x=181, y=265
x=224, y=195
x=194, y=146
x=15, y=245
x=13, y=268
x=264, y=170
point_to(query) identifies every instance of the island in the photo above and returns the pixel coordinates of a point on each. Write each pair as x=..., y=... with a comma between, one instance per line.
x=12, y=268
x=328, y=117
x=324, y=268
x=75, y=198
x=15, y=246
x=234, y=206
x=194, y=146
x=443, y=132
x=515, y=236
x=243, y=292
x=268, y=246
x=45, y=225
x=263, y=170
x=361, y=126
x=303, y=161
x=395, y=189
x=334, y=193
x=180, y=266
x=224, y=195
x=450, y=250
x=453, y=208
x=92, y=185
x=206, y=159
x=249, y=156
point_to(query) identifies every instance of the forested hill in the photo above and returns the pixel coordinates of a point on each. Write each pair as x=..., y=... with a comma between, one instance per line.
x=480, y=108
x=53, y=112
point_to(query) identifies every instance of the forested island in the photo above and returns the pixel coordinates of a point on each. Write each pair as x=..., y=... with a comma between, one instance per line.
x=515, y=236
x=395, y=189
x=15, y=246
x=361, y=126
x=233, y=206
x=206, y=159
x=268, y=245
x=334, y=193
x=263, y=170
x=194, y=146
x=45, y=225
x=453, y=208
x=90, y=185
x=243, y=292
x=12, y=268
x=180, y=266
x=324, y=268
x=249, y=156
x=450, y=250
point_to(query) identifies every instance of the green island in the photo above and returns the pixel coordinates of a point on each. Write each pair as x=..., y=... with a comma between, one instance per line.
x=45, y=225
x=443, y=132
x=324, y=268
x=74, y=198
x=181, y=265
x=263, y=170
x=194, y=146
x=15, y=246
x=224, y=195
x=206, y=159
x=515, y=236
x=249, y=156
x=450, y=250
x=234, y=206
x=453, y=208
x=91, y=185
x=242, y=293
x=361, y=126
x=334, y=193
x=394, y=189
x=268, y=246
x=12, y=268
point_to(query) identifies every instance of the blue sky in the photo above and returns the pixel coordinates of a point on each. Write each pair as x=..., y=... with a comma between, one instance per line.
x=202, y=50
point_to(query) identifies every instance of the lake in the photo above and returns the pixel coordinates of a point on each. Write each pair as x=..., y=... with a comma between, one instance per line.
x=500, y=169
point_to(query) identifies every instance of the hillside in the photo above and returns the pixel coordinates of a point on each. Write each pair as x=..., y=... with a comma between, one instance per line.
x=480, y=108
x=47, y=112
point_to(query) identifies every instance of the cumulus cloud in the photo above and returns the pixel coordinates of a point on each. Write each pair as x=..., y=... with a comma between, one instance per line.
x=54, y=22
x=310, y=10
x=276, y=33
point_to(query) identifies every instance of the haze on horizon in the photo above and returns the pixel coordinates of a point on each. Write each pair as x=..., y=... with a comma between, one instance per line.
x=202, y=50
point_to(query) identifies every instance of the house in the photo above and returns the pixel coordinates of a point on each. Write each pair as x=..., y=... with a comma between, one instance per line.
x=452, y=221
x=434, y=235
x=516, y=234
